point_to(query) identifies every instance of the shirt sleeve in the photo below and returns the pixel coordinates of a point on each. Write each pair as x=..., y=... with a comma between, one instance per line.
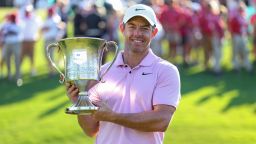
x=167, y=89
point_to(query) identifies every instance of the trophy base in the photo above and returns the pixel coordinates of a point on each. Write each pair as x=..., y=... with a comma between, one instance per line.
x=85, y=110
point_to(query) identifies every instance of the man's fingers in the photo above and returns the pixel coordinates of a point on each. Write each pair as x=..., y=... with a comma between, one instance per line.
x=68, y=85
x=71, y=88
x=74, y=92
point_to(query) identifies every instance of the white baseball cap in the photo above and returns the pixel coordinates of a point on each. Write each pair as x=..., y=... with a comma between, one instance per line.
x=140, y=10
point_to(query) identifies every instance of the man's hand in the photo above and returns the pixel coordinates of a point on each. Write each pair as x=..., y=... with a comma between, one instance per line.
x=104, y=113
x=72, y=92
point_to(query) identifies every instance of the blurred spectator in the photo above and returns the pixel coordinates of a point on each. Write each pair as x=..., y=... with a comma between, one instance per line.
x=12, y=45
x=1, y=47
x=207, y=21
x=170, y=22
x=185, y=31
x=112, y=28
x=238, y=29
x=217, y=37
x=94, y=24
x=196, y=35
x=156, y=43
x=53, y=30
x=89, y=23
x=63, y=11
x=78, y=30
x=253, y=23
x=112, y=23
x=31, y=25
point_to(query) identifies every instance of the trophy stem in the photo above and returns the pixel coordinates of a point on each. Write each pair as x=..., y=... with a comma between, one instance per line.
x=83, y=106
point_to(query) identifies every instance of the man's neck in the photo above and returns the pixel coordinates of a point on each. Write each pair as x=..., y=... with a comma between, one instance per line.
x=133, y=59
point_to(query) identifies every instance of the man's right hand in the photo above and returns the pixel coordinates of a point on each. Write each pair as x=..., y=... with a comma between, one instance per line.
x=72, y=92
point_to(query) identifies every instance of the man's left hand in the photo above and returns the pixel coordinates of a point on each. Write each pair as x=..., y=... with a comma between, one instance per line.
x=104, y=113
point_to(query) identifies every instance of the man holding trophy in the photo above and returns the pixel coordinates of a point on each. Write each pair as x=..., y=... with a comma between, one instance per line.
x=138, y=95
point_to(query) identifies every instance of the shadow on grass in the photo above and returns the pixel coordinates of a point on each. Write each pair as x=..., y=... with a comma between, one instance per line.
x=241, y=84
x=52, y=110
x=10, y=93
x=39, y=84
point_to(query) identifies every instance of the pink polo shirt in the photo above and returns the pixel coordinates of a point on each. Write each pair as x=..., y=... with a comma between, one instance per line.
x=154, y=81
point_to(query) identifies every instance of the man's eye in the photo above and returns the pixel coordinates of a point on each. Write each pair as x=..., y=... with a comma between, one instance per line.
x=131, y=27
x=145, y=28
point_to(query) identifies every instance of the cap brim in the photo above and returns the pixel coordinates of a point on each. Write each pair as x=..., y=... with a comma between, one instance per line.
x=141, y=15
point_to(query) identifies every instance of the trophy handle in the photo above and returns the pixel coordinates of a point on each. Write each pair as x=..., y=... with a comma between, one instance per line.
x=107, y=45
x=49, y=47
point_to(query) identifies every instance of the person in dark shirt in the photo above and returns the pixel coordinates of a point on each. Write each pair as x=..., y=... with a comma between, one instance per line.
x=95, y=24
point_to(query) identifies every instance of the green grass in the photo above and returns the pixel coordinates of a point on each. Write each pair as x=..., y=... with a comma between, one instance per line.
x=213, y=110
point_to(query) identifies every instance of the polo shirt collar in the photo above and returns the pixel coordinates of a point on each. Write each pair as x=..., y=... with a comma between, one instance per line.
x=148, y=60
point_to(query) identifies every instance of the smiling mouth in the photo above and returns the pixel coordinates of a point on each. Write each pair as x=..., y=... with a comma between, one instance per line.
x=135, y=41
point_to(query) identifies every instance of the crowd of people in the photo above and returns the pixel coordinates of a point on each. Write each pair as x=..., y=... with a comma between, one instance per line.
x=188, y=27
x=20, y=32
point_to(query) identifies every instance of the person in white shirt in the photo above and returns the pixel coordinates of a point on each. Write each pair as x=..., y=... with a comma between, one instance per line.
x=12, y=45
x=31, y=25
x=53, y=30
x=1, y=47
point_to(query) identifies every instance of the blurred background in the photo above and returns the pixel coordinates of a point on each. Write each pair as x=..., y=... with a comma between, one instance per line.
x=212, y=42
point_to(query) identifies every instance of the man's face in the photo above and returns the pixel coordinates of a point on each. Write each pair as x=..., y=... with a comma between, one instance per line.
x=137, y=34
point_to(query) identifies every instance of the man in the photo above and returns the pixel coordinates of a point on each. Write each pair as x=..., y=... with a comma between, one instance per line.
x=31, y=25
x=12, y=46
x=238, y=26
x=253, y=34
x=53, y=30
x=170, y=19
x=139, y=94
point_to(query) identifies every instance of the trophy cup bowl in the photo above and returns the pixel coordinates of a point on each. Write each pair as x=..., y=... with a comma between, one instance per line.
x=82, y=63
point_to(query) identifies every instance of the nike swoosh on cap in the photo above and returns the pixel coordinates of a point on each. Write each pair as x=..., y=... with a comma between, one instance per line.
x=138, y=9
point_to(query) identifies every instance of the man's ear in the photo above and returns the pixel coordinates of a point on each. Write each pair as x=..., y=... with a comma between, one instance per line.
x=121, y=26
x=155, y=32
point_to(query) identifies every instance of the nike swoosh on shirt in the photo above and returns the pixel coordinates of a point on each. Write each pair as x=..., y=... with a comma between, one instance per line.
x=146, y=73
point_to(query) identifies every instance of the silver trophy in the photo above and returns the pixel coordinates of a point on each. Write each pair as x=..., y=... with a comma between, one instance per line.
x=82, y=62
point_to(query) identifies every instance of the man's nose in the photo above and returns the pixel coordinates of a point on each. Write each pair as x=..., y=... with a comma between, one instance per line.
x=137, y=31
